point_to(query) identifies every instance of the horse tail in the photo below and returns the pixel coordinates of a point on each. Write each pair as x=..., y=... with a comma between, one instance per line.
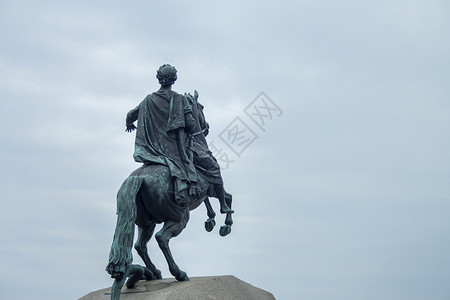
x=120, y=256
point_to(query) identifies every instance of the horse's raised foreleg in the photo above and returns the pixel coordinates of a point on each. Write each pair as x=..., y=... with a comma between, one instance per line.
x=144, y=235
x=170, y=230
x=210, y=223
x=228, y=200
x=226, y=229
x=221, y=195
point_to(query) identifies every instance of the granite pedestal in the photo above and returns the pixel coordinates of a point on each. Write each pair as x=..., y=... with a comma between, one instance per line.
x=198, y=288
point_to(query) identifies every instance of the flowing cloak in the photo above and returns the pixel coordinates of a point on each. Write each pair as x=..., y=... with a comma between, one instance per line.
x=204, y=161
x=160, y=116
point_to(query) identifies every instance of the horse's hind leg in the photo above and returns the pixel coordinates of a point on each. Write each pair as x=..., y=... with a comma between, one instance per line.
x=144, y=235
x=170, y=230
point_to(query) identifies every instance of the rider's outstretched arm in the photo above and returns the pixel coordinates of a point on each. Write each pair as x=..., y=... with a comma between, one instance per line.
x=132, y=116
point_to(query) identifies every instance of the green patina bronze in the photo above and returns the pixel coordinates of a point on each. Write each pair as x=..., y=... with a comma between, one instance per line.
x=177, y=175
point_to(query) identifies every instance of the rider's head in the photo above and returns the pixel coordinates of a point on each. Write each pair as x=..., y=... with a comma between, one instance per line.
x=166, y=75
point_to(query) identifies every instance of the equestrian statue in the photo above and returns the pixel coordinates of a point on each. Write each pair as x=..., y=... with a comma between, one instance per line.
x=178, y=174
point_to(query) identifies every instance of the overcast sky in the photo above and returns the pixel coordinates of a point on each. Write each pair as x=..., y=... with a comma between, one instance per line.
x=343, y=193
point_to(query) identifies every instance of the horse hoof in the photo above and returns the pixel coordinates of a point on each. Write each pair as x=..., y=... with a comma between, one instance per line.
x=182, y=276
x=157, y=274
x=209, y=225
x=151, y=275
x=225, y=230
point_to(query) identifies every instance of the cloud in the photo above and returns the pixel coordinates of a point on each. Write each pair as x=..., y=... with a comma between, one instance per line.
x=344, y=195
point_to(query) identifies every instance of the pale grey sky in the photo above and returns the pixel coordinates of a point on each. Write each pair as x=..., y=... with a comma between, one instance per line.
x=343, y=196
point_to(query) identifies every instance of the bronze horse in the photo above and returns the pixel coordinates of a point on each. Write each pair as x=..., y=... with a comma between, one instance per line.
x=147, y=198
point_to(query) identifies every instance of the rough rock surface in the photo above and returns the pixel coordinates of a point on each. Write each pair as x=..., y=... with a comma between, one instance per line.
x=198, y=288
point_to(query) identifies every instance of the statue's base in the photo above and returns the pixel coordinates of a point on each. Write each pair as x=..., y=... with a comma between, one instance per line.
x=198, y=288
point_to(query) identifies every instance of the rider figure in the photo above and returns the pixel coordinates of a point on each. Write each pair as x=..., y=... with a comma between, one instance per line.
x=204, y=161
x=165, y=117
